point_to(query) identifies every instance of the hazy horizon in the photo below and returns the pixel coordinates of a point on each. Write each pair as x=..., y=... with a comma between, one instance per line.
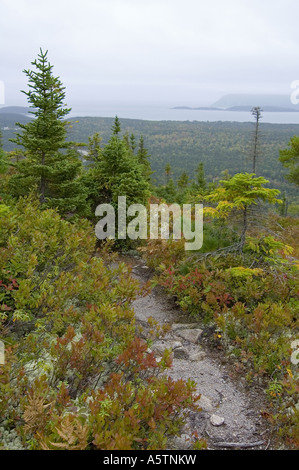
x=181, y=53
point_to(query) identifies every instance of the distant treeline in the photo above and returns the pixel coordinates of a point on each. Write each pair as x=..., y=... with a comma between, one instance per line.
x=219, y=145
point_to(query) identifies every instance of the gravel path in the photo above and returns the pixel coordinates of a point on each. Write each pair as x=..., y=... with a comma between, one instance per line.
x=231, y=415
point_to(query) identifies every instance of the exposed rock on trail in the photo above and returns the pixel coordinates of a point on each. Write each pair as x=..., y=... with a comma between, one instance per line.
x=230, y=415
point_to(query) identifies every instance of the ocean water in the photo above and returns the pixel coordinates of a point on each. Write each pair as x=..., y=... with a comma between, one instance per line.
x=165, y=112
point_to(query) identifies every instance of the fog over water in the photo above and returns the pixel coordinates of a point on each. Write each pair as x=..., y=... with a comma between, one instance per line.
x=165, y=112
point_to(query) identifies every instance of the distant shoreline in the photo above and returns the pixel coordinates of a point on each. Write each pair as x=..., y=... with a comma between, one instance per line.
x=9, y=115
x=265, y=109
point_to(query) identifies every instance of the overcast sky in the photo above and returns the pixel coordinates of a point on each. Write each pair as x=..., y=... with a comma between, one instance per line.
x=177, y=51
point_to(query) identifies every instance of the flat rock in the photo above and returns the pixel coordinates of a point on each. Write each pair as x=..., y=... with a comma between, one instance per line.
x=192, y=335
x=184, y=326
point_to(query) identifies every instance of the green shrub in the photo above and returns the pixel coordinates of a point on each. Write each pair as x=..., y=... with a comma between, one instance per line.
x=76, y=376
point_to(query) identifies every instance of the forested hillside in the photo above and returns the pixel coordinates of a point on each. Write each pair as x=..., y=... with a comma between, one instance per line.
x=219, y=146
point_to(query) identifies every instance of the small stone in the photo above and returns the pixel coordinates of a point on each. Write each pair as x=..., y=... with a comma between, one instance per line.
x=216, y=420
x=181, y=353
x=205, y=403
x=182, y=442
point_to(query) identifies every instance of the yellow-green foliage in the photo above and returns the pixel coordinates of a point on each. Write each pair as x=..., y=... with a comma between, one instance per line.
x=238, y=192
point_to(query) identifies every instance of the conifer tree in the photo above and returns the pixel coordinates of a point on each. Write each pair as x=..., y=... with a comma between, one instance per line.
x=183, y=181
x=123, y=174
x=115, y=157
x=116, y=129
x=143, y=158
x=167, y=172
x=94, y=155
x=290, y=159
x=50, y=164
x=114, y=171
x=200, y=177
x=133, y=142
x=93, y=179
x=126, y=140
x=170, y=192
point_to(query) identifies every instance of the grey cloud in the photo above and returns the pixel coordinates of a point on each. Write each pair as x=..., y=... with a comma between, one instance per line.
x=167, y=49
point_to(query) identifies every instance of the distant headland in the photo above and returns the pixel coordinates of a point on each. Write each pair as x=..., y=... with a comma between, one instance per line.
x=245, y=103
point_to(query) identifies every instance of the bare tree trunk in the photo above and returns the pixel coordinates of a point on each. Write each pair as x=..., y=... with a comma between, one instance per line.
x=256, y=112
x=255, y=150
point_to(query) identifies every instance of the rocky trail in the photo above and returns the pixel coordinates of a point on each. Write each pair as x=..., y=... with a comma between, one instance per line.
x=231, y=413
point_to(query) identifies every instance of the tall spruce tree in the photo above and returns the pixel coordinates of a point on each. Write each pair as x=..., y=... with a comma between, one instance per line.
x=50, y=164
x=114, y=171
x=123, y=174
x=92, y=178
x=116, y=129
